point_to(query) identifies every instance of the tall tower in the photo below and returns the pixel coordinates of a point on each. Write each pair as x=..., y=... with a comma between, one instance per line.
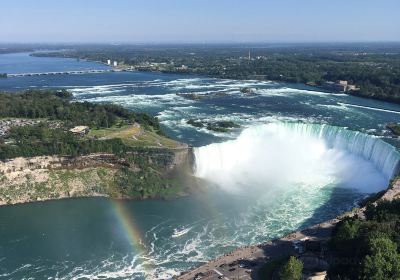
x=249, y=56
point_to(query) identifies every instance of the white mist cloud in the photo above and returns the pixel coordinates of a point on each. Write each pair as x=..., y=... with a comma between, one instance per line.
x=276, y=155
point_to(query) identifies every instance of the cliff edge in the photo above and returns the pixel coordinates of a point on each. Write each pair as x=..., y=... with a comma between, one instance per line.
x=146, y=173
x=53, y=147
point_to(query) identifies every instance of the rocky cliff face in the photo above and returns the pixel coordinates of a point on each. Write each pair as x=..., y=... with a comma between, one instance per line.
x=149, y=173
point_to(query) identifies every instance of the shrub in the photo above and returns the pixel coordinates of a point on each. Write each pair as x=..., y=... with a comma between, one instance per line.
x=292, y=269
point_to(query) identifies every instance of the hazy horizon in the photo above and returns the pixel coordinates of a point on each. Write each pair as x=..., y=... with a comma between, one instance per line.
x=189, y=22
x=172, y=43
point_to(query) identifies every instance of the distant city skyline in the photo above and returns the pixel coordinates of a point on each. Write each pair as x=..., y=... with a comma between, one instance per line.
x=205, y=21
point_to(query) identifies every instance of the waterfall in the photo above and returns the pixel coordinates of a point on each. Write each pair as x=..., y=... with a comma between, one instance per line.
x=298, y=153
x=384, y=156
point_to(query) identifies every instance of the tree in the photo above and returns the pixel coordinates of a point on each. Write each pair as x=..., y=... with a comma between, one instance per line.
x=292, y=269
x=383, y=262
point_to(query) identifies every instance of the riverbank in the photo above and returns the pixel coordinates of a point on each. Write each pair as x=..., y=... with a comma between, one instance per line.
x=161, y=173
x=315, y=65
x=309, y=245
x=52, y=147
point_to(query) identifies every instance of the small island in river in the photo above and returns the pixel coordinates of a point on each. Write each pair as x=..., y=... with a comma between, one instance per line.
x=394, y=128
x=217, y=126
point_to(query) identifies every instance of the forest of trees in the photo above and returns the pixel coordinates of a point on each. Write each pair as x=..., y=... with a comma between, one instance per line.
x=38, y=140
x=57, y=105
x=41, y=139
x=370, y=248
x=375, y=68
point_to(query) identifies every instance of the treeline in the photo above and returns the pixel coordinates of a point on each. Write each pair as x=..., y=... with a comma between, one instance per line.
x=49, y=139
x=370, y=248
x=375, y=68
x=39, y=140
x=377, y=76
x=58, y=105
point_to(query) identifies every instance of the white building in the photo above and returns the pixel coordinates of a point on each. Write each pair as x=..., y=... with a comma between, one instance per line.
x=108, y=61
x=80, y=130
x=115, y=63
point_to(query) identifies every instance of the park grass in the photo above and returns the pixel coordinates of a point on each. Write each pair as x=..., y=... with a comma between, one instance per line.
x=134, y=136
x=123, y=132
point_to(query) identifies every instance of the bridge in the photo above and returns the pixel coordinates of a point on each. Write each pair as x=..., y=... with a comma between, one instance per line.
x=60, y=73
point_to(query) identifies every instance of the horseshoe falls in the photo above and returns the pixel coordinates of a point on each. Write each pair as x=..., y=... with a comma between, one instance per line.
x=279, y=154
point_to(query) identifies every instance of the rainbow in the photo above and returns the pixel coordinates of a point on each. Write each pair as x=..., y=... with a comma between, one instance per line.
x=132, y=231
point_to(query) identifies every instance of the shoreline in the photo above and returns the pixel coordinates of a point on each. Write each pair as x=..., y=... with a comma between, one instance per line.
x=260, y=253
x=100, y=196
x=131, y=68
x=44, y=178
x=232, y=264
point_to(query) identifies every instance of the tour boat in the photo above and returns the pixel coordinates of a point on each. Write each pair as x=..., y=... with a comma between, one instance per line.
x=180, y=231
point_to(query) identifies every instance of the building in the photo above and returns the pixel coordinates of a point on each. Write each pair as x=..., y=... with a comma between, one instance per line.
x=341, y=85
x=352, y=87
x=80, y=130
x=115, y=63
x=108, y=61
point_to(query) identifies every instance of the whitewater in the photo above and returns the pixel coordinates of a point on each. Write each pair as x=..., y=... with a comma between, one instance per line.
x=284, y=154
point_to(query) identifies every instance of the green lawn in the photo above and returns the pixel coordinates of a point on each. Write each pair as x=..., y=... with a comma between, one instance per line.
x=134, y=135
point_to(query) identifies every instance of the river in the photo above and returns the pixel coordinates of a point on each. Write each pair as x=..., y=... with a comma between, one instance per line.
x=300, y=156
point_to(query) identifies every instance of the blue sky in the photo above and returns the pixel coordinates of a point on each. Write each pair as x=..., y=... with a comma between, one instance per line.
x=199, y=20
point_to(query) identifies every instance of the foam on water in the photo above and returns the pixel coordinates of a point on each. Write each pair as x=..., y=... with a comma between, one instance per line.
x=288, y=92
x=144, y=101
x=370, y=108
